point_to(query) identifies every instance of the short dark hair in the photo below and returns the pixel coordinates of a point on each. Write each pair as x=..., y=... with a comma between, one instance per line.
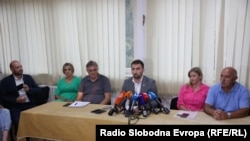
x=68, y=64
x=91, y=63
x=137, y=61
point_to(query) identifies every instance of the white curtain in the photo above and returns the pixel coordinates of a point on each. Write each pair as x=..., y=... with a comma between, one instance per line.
x=180, y=34
x=210, y=34
x=44, y=34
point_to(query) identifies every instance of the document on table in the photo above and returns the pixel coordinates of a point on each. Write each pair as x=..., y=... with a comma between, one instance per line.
x=186, y=114
x=79, y=104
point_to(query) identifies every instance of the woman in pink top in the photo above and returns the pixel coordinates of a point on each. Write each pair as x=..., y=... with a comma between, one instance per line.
x=192, y=95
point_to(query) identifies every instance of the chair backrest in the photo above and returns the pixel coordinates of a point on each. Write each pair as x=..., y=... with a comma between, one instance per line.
x=42, y=97
x=173, y=104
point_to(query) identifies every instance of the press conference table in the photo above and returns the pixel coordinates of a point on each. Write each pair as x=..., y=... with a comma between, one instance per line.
x=55, y=122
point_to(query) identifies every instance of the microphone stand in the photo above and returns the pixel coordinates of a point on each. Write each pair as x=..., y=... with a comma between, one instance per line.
x=124, y=106
x=130, y=112
x=163, y=109
x=112, y=110
x=153, y=108
x=144, y=111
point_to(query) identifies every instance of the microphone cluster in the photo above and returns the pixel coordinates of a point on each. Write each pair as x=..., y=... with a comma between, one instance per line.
x=120, y=101
x=145, y=103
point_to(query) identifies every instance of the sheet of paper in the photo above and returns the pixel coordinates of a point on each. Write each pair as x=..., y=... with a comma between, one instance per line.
x=79, y=104
x=186, y=114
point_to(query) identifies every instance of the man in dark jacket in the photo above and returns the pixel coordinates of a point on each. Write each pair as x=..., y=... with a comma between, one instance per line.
x=140, y=83
x=17, y=91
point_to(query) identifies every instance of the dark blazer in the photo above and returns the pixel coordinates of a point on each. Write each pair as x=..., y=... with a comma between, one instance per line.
x=9, y=89
x=147, y=85
x=1, y=98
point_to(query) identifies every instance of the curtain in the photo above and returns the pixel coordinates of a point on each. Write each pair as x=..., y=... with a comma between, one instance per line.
x=180, y=34
x=210, y=34
x=45, y=34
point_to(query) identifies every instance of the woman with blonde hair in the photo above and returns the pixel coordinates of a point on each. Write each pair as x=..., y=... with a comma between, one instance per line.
x=192, y=95
x=67, y=87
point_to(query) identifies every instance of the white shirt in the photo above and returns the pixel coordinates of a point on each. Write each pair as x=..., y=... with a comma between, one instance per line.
x=137, y=90
x=21, y=91
x=137, y=86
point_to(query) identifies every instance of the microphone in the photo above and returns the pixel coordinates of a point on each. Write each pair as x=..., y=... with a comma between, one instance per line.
x=149, y=104
x=145, y=97
x=134, y=99
x=153, y=96
x=128, y=95
x=119, y=102
x=142, y=100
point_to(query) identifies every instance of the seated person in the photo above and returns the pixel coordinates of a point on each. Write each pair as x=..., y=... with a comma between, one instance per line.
x=67, y=87
x=192, y=95
x=139, y=83
x=17, y=91
x=227, y=99
x=5, y=122
x=94, y=87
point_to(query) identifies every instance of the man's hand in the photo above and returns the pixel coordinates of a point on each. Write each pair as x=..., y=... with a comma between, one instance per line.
x=219, y=114
x=26, y=88
x=21, y=99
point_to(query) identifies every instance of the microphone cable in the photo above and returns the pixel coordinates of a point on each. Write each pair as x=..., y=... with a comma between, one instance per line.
x=135, y=116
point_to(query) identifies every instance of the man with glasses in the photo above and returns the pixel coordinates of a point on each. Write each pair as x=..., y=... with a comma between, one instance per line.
x=94, y=87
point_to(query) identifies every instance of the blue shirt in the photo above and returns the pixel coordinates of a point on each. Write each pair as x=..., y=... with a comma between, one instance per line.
x=235, y=99
x=5, y=121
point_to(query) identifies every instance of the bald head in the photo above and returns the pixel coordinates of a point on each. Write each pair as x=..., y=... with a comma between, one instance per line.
x=13, y=62
x=232, y=70
x=16, y=68
x=228, y=77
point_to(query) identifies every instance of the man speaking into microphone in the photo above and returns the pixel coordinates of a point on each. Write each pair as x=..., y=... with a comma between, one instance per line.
x=139, y=83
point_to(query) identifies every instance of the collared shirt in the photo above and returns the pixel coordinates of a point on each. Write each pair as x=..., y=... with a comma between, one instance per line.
x=94, y=91
x=236, y=98
x=192, y=100
x=21, y=91
x=137, y=85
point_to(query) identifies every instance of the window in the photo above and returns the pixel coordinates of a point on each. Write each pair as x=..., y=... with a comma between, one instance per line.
x=135, y=31
x=129, y=33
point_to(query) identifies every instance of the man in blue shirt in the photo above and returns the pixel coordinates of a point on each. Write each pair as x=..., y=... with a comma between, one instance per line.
x=228, y=99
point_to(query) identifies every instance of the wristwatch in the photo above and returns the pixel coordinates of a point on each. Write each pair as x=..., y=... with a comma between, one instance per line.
x=228, y=115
